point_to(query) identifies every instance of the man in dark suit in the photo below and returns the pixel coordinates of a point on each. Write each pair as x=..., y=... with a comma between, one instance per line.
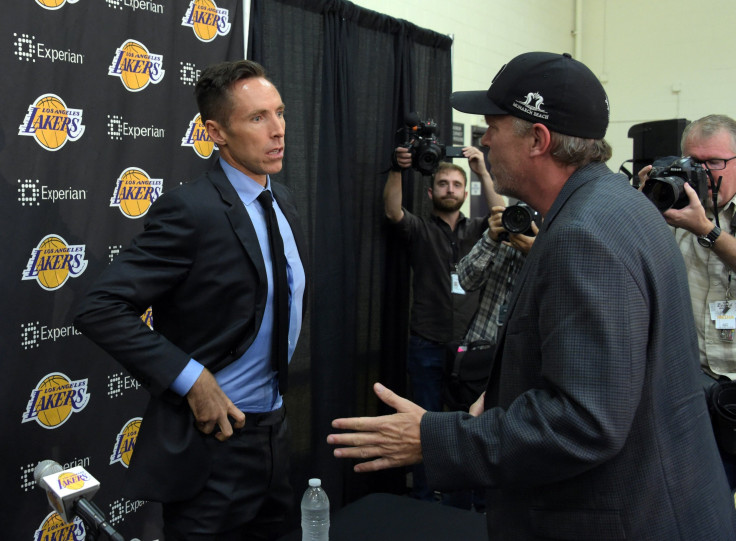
x=592, y=423
x=212, y=444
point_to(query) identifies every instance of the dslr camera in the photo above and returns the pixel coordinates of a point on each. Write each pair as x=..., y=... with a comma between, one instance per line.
x=666, y=184
x=426, y=150
x=518, y=218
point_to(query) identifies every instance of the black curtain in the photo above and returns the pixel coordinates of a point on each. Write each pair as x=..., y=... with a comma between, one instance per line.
x=348, y=76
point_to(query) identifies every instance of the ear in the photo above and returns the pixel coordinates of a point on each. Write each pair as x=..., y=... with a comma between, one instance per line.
x=541, y=140
x=216, y=132
x=429, y=192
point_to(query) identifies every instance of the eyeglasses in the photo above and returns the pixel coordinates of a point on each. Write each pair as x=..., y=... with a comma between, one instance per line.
x=714, y=164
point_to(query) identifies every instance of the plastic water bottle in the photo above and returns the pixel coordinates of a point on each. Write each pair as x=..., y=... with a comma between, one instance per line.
x=315, y=513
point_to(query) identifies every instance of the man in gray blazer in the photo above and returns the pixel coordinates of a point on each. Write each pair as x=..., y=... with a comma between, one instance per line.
x=593, y=425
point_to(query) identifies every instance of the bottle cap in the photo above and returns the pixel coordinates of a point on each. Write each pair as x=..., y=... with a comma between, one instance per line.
x=315, y=482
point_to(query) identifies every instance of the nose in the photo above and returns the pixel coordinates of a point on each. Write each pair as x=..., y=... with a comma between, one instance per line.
x=486, y=138
x=278, y=126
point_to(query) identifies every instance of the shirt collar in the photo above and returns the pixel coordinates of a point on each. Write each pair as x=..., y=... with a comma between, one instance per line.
x=248, y=189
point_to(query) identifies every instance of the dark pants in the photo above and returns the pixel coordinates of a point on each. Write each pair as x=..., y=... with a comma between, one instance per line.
x=426, y=368
x=247, y=496
x=728, y=460
x=425, y=365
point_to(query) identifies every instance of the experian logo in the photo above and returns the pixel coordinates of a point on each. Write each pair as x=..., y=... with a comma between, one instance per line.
x=31, y=194
x=28, y=49
x=33, y=333
x=135, y=5
x=117, y=128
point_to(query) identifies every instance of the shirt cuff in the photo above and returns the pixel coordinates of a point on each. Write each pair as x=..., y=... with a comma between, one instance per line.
x=489, y=240
x=185, y=380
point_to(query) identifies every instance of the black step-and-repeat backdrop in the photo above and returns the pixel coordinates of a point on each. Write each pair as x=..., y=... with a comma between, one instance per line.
x=97, y=119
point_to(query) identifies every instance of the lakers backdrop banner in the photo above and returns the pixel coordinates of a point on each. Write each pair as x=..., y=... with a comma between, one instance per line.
x=98, y=120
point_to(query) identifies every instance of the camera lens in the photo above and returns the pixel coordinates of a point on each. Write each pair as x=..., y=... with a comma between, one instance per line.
x=517, y=219
x=666, y=192
x=427, y=158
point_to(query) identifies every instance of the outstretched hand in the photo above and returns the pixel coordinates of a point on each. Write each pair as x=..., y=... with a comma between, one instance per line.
x=390, y=440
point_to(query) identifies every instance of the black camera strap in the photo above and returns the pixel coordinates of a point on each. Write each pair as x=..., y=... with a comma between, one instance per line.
x=715, y=188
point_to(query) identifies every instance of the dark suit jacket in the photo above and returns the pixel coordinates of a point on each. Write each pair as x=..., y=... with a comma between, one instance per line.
x=198, y=264
x=596, y=427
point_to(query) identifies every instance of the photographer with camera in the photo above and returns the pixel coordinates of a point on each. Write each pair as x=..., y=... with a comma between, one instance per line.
x=491, y=267
x=705, y=235
x=441, y=309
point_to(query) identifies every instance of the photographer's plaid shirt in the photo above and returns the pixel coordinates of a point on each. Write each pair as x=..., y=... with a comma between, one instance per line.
x=492, y=267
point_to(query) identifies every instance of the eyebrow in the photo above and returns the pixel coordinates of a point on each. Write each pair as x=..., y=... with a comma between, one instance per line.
x=265, y=110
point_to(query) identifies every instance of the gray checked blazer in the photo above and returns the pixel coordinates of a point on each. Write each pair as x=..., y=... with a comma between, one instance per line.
x=595, y=426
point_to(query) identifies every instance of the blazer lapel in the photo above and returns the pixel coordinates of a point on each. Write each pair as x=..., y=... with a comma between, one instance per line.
x=239, y=219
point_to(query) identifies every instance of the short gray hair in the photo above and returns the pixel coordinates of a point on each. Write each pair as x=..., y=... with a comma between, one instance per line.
x=570, y=150
x=708, y=126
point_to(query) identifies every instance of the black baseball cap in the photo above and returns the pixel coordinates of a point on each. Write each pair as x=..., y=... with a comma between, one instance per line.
x=547, y=88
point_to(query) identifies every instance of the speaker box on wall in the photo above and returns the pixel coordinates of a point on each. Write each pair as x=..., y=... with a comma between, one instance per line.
x=656, y=139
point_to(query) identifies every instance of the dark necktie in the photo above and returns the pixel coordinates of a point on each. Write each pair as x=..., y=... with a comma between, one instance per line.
x=280, y=331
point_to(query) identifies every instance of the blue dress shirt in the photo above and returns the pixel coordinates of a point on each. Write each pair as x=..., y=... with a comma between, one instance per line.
x=250, y=382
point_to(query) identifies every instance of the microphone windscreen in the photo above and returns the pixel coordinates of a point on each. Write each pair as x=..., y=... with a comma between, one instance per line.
x=412, y=119
x=44, y=468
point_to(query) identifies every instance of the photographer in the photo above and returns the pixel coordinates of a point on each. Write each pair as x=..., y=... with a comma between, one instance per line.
x=710, y=249
x=491, y=267
x=441, y=310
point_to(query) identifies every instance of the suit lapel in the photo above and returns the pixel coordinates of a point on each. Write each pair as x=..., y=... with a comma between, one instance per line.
x=239, y=219
x=492, y=386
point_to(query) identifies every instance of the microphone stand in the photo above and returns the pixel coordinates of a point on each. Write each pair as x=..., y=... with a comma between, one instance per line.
x=95, y=522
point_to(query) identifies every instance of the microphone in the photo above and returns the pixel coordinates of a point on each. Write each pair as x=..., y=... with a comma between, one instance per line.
x=69, y=493
x=412, y=119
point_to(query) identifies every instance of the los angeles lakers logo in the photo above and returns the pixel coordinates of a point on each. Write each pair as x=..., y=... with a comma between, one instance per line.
x=147, y=317
x=207, y=20
x=125, y=442
x=136, y=67
x=54, y=400
x=51, y=122
x=72, y=481
x=54, y=4
x=53, y=527
x=198, y=138
x=54, y=261
x=135, y=191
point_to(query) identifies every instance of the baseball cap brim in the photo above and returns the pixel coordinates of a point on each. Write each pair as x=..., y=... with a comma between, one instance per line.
x=475, y=102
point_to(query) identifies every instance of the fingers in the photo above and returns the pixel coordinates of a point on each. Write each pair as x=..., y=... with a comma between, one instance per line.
x=355, y=439
x=361, y=424
x=478, y=406
x=204, y=426
x=644, y=175
x=373, y=465
x=212, y=408
x=362, y=453
x=226, y=430
x=235, y=419
x=391, y=399
x=237, y=416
